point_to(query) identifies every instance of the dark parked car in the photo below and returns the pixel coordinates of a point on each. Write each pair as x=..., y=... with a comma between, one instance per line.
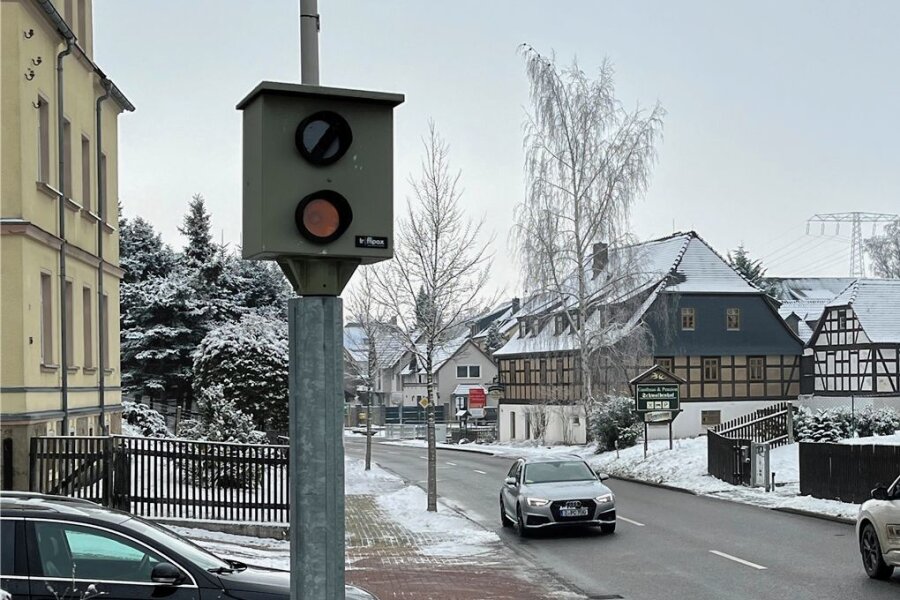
x=49, y=543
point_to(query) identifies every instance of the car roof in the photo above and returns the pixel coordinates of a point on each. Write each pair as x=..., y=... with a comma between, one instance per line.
x=551, y=459
x=31, y=504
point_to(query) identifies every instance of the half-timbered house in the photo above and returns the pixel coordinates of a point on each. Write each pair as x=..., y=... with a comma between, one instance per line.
x=709, y=326
x=855, y=347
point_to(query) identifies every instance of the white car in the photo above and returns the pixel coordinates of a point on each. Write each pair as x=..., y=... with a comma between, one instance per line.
x=878, y=531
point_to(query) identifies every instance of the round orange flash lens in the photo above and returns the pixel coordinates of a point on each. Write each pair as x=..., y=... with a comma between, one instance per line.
x=320, y=217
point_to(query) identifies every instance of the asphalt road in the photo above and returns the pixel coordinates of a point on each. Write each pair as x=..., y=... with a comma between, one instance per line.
x=668, y=545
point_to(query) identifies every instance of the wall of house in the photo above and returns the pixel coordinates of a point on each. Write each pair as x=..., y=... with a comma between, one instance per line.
x=565, y=424
x=468, y=355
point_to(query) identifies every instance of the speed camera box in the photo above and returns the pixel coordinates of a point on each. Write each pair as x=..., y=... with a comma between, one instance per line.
x=350, y=154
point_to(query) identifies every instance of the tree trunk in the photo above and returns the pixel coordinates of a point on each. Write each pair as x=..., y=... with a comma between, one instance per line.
x=369, y=429
x=432, y=449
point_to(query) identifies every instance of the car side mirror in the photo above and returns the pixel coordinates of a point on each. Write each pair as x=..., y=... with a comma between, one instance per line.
x=880, y=492
x=165, y=574
x=602, y=476
x=510, y=481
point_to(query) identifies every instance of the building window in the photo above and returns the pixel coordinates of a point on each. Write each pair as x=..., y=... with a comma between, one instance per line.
x=842, y=318
x=733, y=319
x=43, y=173
x=527, y=368
x=87, y=321
x=710, y=418
x=468, y=371
x=666, y=362
x=67, y=159
x=710, y=369
x=70, y=326
x=560, y=323
x=46, y=320
x=524, y=328
x=757, y=368
x=85, y=172
x=687, y=319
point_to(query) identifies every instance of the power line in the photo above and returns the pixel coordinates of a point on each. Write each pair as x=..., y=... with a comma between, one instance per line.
x=856, y=219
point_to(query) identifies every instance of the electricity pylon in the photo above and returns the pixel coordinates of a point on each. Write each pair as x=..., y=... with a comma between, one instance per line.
x=857, y=249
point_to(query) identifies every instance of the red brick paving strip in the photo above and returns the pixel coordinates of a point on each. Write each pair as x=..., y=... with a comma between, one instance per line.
x=387, y=559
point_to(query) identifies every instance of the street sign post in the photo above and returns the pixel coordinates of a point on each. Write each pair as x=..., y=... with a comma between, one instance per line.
x=657, y=398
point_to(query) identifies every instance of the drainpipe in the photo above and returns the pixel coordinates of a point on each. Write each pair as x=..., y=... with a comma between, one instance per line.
x=63, y=318
x=101, y=211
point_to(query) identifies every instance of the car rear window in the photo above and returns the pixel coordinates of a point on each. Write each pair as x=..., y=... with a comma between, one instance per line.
x=546, y=472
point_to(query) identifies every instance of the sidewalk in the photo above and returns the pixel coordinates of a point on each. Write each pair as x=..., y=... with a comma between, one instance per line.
x=395, y=549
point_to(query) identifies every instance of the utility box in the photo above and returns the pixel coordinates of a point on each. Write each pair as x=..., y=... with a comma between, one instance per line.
x=318, y=174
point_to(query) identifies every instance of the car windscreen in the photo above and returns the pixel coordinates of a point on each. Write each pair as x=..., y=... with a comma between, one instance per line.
x=169, y=541
x=569, y=470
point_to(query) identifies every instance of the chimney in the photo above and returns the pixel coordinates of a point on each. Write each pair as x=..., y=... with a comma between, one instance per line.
x=600, y=258
x=516, y=305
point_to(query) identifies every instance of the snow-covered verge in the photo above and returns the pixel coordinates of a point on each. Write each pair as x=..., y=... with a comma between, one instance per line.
x=685, y=467
x=529, y=448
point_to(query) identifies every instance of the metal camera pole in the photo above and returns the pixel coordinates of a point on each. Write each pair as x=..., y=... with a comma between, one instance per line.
x=316, y=412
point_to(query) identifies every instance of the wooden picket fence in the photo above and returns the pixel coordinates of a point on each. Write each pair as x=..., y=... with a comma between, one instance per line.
x=773, y=425
x=723, y=458
x=846, y=472
x=167, y=477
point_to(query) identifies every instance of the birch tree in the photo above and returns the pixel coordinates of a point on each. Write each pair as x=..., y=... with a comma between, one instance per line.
x=587, y=160
x=441, y=255
x=371, y=317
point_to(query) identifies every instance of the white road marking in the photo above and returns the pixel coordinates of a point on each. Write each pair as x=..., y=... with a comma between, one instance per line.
x=424, y=457
x=451, y=464
x=477, y=471
x=738, y=560
x=621, y=518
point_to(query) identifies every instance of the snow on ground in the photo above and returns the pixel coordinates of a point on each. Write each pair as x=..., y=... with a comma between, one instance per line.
x=529, y=448
x=358, y=481
x=685, y=467
x=881, y=440
x=457, y=535
x=131, y=430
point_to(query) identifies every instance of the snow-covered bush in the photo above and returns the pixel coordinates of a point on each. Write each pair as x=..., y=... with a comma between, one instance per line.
x=614, y=421
x=803, y=419
x=877, y=421
x=220, y=420
x=844, y=420
x=249, y=360
x=144, y=420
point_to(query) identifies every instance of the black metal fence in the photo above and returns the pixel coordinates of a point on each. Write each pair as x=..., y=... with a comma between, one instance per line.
x=846, y=472
x=725, y=459
x=167, y=477
x=772, y=425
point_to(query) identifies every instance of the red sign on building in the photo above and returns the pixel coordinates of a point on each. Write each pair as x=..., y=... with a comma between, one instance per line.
x=477, y=398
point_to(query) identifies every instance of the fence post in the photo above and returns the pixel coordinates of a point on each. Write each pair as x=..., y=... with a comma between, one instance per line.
x=107, y=472
x=32, y=464
x=790, y=422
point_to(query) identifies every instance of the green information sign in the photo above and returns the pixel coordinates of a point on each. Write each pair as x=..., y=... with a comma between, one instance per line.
x=658, y=396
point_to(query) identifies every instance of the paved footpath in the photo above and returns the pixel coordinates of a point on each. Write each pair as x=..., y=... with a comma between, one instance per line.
x=390, y=561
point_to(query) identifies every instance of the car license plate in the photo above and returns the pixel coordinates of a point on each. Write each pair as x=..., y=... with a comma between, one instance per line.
x=573, y=512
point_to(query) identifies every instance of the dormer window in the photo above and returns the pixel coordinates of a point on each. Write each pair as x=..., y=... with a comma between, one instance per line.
x=560, y=323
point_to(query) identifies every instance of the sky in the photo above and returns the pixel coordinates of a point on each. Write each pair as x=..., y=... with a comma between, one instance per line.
x=776, y=111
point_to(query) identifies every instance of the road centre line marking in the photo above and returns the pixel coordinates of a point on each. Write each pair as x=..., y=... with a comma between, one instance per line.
x=477, y=471
x=451, y=464
x=630, y=521
x=738, y=560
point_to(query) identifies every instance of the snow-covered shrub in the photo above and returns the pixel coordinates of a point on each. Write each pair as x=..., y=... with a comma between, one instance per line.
x=844, y=420
x=877, y=421
x=614, y=421
x=249, y=360
x=144, y=420
x=220, y=420
x=803, y=420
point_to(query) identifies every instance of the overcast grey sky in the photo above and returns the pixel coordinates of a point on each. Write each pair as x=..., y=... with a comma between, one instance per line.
x=776, y=110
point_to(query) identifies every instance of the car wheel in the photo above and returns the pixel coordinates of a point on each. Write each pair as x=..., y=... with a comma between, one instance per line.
x=870, y=549
x=503, y=518
x=607, y=527
x=520, y=523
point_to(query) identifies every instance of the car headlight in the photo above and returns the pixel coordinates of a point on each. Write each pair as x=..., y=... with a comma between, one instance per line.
x=538, y=502
x=604, y=498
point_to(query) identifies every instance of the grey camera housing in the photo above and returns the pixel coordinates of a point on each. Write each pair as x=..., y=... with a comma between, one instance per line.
x=277, y=177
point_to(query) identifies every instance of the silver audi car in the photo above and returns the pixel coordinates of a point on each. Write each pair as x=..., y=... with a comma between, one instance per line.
x=562, y=490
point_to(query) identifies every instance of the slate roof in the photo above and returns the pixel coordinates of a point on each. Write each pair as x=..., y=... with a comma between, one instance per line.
x=876, y=303
x=389, y=345
x=682, y=263
x=441, y=355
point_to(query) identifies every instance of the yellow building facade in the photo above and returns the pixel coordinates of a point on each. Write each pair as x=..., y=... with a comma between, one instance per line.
x=59, y=263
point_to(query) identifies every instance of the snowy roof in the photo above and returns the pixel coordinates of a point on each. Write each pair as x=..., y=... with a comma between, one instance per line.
x=441, y=355
x=876, y=303
x=682, y=263
x=808, y=289
x=389, y=345
x=463, y=388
